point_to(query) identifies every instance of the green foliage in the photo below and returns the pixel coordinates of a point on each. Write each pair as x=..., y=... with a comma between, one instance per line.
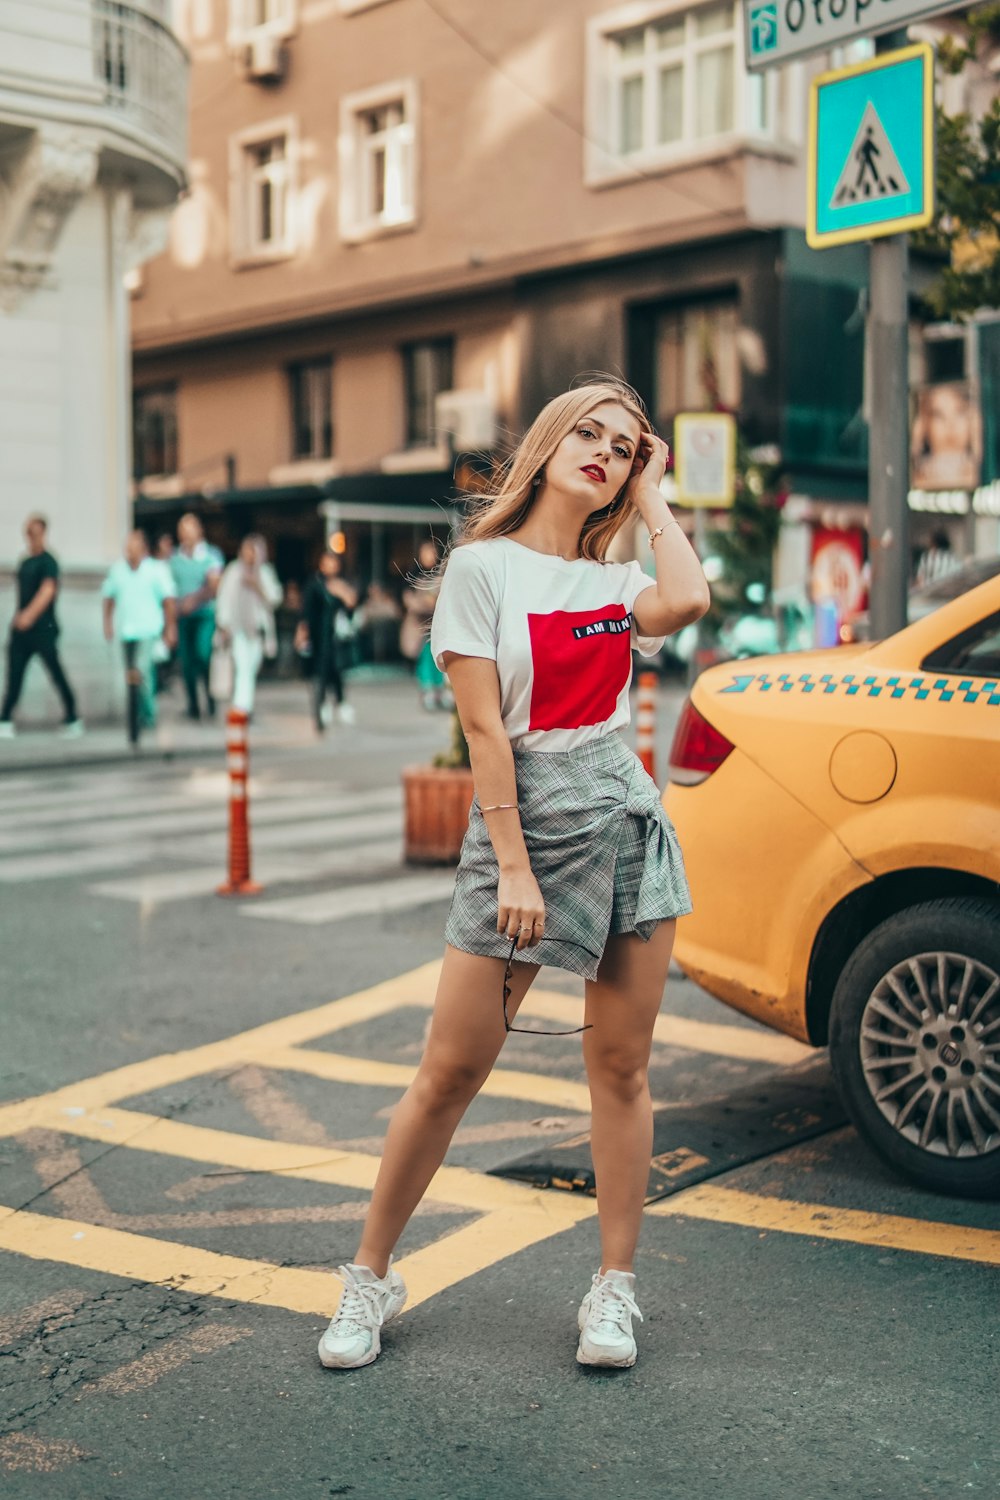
x=456, y=757
x=967, y=230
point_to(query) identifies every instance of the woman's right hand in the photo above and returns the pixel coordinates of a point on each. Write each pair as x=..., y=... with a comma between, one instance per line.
x=521, y=912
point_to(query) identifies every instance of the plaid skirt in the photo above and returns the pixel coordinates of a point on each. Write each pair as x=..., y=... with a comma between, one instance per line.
x=602, y=849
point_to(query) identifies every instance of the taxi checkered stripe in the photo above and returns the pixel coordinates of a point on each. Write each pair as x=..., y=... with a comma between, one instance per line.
x=941, y=689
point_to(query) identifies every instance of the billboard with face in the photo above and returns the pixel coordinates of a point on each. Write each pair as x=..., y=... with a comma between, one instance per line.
x=946, y=443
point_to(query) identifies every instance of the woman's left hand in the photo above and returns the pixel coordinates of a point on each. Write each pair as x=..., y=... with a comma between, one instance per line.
x=648, y=469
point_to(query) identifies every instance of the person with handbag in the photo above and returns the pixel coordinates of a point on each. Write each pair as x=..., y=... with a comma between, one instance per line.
x=569, y=858
x=328, y=606
x=249, y=593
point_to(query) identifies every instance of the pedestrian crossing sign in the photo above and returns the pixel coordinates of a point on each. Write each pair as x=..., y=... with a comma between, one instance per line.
x=871, y=148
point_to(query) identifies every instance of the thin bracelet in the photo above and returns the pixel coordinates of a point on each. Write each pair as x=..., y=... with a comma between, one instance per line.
x=500, y=807
x=661, y=529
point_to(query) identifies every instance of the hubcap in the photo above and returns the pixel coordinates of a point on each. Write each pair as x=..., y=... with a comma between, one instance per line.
x=930, y=1050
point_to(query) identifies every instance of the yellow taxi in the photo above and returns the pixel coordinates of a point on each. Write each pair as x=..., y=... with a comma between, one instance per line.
x=840, y=818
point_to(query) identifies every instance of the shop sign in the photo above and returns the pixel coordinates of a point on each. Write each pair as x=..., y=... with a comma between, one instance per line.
x=946, y=437
x=705, y=458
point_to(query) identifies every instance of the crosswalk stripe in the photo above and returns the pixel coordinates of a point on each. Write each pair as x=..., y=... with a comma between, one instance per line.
x=165, y=886
x=67, y=865
x=197, y=821
x=368, y=900
x=210, y=794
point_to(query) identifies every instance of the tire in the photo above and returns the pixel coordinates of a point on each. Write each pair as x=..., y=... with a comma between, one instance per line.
x=920, y=1079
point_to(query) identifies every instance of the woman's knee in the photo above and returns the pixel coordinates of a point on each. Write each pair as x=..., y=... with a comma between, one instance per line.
x=444, y=1083
x=619, y=1072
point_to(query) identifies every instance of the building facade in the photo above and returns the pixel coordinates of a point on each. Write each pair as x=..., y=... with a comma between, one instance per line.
x=408, y=225
x=93, y=126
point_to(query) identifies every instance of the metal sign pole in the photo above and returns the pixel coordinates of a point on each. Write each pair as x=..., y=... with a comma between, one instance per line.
x=889, y=423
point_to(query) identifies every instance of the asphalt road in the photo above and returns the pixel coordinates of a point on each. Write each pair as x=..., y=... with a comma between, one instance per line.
x=192, y=1095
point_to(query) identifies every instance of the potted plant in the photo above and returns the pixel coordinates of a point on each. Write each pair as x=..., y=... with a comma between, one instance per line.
x=437, y=799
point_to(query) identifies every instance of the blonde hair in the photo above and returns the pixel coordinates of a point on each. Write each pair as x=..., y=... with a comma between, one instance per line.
x=508, y=503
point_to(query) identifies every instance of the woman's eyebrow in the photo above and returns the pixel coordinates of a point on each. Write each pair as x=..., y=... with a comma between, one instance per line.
x=621, y=437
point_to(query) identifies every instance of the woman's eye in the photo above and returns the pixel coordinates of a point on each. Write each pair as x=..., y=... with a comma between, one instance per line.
x=623, y=453
x=587, y=432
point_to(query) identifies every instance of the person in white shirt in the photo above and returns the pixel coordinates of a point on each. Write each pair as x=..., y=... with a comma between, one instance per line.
x=139, y=599
x=249, y=593
x=569, y=858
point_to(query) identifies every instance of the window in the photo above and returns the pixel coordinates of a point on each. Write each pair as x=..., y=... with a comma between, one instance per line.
x=248, y=16
x=662, y=81
x=427, y=369
x=378, y=166
x=312, y=409
x=673, y=80
x=262, y=172
x=696, y=358
x=154, y=431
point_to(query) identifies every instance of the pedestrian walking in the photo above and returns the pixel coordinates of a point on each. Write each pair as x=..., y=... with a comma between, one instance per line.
x=139, y=600
x=419, y=601
x=196, y=567
x=34, y=630
x=249, y=593
x=328, y=603
x=569, y=858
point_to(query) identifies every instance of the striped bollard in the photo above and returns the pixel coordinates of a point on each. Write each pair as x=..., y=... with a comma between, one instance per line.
x=645, y=720
x=237, y=760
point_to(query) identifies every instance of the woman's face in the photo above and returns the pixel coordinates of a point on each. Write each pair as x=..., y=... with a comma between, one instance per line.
x=948, y=424
x=248, y=553
x=594, y=461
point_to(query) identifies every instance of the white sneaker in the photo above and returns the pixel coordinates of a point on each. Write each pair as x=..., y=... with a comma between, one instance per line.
x=366, y=1302
x=326, y=715
x=72, y=731
x=605, y=1321
x=346, y=714
x=7, y=730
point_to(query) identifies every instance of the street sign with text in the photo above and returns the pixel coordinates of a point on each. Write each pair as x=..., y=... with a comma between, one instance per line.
x=705, y=458
x=777, y=30
x=871, y=148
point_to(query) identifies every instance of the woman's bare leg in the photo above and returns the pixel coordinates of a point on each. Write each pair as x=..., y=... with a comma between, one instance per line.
x=466, y=1036
x=622, y=1004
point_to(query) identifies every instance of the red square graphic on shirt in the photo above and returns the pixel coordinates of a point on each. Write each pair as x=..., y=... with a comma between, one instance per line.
x=580, y=661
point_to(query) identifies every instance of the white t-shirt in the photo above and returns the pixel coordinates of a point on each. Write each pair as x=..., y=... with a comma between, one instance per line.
x=561, y=634
x=138, y=594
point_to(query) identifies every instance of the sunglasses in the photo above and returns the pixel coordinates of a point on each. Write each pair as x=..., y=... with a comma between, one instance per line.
x=508, y=975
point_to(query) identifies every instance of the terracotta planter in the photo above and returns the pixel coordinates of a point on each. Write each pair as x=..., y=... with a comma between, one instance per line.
x=437, y=803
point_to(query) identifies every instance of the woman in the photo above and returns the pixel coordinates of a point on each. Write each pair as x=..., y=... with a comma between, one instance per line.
x=414, y=637
x=569, y=858
x=328, y=600
x=249, y=593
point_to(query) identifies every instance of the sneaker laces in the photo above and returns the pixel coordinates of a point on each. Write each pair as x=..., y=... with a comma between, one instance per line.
x=610, y=1303
x=358, y=1307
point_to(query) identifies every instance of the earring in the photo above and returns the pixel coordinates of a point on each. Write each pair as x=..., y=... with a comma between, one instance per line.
x=538, y=478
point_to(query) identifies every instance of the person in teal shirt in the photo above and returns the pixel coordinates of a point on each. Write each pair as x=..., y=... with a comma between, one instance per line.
x=196, y=568
x=139, y=598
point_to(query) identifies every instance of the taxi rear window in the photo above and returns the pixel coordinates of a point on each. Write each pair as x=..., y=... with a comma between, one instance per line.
x=976, y=652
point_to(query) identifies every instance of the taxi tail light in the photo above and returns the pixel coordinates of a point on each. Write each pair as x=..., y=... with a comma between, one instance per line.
x=698, y=748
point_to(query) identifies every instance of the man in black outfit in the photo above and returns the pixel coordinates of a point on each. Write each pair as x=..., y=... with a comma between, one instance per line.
x=34, y=630
x=327, y=595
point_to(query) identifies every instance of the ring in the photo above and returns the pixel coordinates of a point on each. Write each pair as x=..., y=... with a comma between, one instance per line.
x=526, y=927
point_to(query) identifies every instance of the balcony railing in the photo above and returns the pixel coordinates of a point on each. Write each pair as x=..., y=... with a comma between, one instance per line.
x=143, y=70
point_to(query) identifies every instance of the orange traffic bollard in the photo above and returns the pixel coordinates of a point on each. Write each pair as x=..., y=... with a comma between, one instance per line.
x=237, y=759
x=645, y=720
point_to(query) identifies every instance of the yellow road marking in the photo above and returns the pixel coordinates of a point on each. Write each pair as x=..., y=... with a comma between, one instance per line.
x=205, y=1273
x=676, y=1031
x=821, y=1221
x=503, y=1083
x=248, y=1153
x=415, y=988
x=247, y=1046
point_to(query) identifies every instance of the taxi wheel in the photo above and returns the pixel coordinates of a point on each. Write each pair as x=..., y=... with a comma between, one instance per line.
x=915, y=1044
